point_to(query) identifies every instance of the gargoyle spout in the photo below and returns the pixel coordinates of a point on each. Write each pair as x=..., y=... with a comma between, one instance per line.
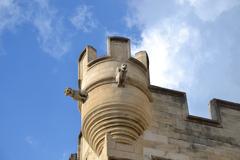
x=76, y=94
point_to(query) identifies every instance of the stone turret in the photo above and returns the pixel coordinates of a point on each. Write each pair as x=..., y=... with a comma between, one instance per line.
x=118, y=99
x=126, y=118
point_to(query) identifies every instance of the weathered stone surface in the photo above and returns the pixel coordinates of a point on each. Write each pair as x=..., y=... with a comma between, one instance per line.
x=139, y=121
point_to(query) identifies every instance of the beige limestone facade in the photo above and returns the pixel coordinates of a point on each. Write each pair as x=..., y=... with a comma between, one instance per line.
x=124, y=117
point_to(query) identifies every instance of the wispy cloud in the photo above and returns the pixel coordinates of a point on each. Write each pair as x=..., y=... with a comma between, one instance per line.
x=52, y=35
x=83, y=19
x=51, y=32
x=210, y=10
x=10, y=15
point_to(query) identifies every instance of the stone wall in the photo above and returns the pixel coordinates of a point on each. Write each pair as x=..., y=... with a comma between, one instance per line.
x=139, y=121
x=175, y=135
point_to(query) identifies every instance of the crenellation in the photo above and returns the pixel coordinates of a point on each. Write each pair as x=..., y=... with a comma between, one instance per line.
x=215, y=111
x=203, y=121
x=170, y=101
x=142, y=56
x=118, y=48
x=134, y=120
x=166, y=91
x=88, y=54
x=170, y=115
x=90, y=51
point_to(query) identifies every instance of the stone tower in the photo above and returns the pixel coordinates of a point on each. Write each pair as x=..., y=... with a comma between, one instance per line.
x=125, y=118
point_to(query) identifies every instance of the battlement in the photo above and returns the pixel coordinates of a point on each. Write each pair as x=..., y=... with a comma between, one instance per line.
x=172, y=125
x=125, y=117
x=118, y=49
x=215, y=106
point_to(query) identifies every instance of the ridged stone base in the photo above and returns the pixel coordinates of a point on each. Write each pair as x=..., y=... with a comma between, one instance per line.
x=125, y=123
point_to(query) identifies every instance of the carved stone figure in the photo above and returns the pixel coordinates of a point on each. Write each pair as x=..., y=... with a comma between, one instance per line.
x=76, y=94
x=121, y=74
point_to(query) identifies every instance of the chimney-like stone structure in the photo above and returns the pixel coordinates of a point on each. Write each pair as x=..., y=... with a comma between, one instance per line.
x=124, y=117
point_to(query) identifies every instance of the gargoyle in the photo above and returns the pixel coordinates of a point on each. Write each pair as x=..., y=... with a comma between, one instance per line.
x=76, y=94
x=121, y=75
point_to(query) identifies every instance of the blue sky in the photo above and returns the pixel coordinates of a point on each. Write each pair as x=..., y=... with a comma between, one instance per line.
x=193, y=46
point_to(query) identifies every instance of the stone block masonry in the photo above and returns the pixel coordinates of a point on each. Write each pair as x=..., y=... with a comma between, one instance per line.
x=124, y=117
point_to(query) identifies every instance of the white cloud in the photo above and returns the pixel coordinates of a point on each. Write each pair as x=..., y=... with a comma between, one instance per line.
x=164, y=44
x=210, y=10
x=10, y=15
x=187, y=54
x=38, y=13
x=172, y=44
x=52, y=35
x=83, y=19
